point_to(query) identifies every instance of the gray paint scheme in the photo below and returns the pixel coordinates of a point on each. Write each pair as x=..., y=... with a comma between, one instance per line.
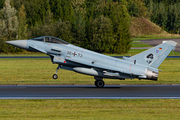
x=71, y=57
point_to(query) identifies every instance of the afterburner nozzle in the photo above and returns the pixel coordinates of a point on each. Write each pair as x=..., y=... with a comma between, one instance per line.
x=18, y=43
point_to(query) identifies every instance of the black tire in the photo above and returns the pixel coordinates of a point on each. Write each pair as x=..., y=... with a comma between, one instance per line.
x=99, y=83
x=95, y=83
x=55, y=76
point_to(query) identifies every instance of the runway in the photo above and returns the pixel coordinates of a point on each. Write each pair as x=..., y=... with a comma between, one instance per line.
x=89, y=92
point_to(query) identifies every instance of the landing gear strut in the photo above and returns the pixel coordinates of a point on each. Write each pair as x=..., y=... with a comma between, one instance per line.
x=55, y=76
x=99, y=83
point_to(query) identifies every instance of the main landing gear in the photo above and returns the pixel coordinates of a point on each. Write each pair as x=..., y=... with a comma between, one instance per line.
x=99, y=83
x=55, y=76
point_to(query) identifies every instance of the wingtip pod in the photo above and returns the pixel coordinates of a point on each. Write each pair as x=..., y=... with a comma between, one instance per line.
x=170, y=42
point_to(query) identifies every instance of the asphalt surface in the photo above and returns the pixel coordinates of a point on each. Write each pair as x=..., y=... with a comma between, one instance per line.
x=155, y=42
x=90, y=92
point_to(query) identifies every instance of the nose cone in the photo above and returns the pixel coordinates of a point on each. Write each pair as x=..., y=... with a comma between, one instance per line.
x=18, y=43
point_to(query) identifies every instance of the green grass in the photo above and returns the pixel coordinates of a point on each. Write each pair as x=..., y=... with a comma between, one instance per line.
x=141, y=45
x=172, y=53
x=40, y=71
x=147, y=109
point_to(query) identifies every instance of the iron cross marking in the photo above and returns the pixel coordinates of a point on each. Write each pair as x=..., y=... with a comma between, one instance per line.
x=74, y=53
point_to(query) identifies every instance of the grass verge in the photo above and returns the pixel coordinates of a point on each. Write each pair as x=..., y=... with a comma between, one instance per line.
x=147, y=109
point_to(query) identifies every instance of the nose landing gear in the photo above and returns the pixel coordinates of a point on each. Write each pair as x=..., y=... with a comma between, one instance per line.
x=55, y=76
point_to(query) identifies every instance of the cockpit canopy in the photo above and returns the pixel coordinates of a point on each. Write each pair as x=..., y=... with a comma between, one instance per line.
x=50, y=39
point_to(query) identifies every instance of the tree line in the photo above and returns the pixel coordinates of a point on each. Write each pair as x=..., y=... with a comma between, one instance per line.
x=98, y=25
x=165, y=13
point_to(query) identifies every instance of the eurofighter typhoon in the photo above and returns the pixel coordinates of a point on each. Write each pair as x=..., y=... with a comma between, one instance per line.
x=70, y=57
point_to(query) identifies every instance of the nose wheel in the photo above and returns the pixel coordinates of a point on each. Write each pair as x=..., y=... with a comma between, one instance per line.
x=55, y=76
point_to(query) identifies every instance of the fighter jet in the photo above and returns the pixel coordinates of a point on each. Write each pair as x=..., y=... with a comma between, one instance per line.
x=70, y=57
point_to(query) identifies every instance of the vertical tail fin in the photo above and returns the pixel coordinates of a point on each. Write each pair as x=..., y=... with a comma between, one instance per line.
x=156, y=55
